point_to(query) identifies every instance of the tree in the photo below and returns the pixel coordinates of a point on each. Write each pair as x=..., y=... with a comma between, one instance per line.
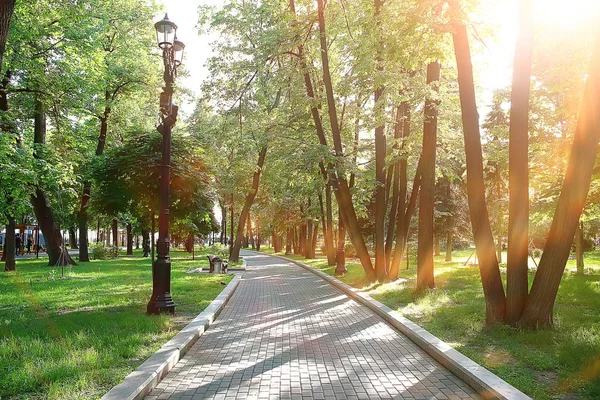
x=538, y=310
x=425, y=278
x=518, y=217
x=482, y=233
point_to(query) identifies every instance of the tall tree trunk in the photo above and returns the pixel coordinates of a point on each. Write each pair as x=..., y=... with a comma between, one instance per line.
x=82, y=215
x=129, y=239
x=8, y=255
x=235, y=252
x=313, y=244
x=403, y=215
x=394, y=208
x=146, y=242
x=425, y=277
x=340, y=255
x=6, y=11
x=448, y=245
x=258, y=238
x=249, y=231
x=482, y=232
x=380, y=154
x=223, y=237
x=72, y=239
x=579, y=248
x=288, y=241
x=576, y=184
x=115, y=233
x=331, y=250
x=296, y=242
x=231, y=223
x=57, y=252
x=436, y=245
x=341, y=189
x=518, y=170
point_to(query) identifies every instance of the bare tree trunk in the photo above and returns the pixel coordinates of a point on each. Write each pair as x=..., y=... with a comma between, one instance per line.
x=403, y=215
x=329, y=214
x=482, y=233
x=436, y=245
x=115, y=233
x=380, y=172
x=288, y=241
x=129, y=240
x=313, y=244
x=6, y=11
x=235, y=252
x=8, y=255
x=72, y=239
x=146, y=242
x=518, y=178
x=425, y=277
x=340, y=256
x=223, y=237
x=448, y=245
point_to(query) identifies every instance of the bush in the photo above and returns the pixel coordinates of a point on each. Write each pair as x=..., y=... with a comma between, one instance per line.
x=101, y=252
x=219, y=249
x=537, y=253
x=349, y=250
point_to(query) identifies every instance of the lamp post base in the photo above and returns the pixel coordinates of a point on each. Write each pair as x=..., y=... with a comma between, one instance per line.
x=162, y=305
x=161, y=301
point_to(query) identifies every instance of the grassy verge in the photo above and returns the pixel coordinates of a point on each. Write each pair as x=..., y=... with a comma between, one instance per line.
x=76, y=337
x=560, y=363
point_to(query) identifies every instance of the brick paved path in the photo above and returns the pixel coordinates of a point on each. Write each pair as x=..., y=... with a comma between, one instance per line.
x=286, y=333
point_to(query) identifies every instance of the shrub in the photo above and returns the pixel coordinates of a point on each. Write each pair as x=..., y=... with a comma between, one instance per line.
x=537, y=253
x=219, y=249
x=101, y=252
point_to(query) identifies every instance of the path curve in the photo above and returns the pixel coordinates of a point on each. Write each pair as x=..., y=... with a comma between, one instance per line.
x=288, y=334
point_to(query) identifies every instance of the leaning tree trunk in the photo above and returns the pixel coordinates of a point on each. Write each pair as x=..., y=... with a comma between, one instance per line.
x=57, y=252
x=235, y=251
x=576, y=184
x=518, y=170
x=9, y=245
x=425, y=277
x=482, y=232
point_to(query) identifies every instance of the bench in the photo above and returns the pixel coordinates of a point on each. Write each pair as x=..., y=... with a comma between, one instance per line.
x=217, y=265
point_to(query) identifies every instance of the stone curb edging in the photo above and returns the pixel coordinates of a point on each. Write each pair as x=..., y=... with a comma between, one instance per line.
x=488, y=385
x=145, y=378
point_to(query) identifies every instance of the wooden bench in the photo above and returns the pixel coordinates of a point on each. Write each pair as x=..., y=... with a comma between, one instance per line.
x=217, y=265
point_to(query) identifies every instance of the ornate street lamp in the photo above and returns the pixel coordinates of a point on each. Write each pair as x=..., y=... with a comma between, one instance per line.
x=161, y=300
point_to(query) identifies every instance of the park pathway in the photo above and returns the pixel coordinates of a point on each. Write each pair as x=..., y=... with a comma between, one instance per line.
x=288, y=334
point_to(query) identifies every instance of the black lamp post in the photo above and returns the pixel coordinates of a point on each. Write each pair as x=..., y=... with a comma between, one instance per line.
x=161, y=300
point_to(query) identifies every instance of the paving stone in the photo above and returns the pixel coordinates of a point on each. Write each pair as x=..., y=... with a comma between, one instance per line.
x=288, y=334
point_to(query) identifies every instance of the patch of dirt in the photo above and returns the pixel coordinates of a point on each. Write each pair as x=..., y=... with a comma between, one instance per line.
x=548, y=378
x=496, y=358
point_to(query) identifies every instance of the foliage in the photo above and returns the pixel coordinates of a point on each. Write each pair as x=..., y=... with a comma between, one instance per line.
x=217, y=249
x=102, y=252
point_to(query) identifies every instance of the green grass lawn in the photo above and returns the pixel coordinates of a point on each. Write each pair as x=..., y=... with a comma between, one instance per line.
x=75, y=338
x=560, y=363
